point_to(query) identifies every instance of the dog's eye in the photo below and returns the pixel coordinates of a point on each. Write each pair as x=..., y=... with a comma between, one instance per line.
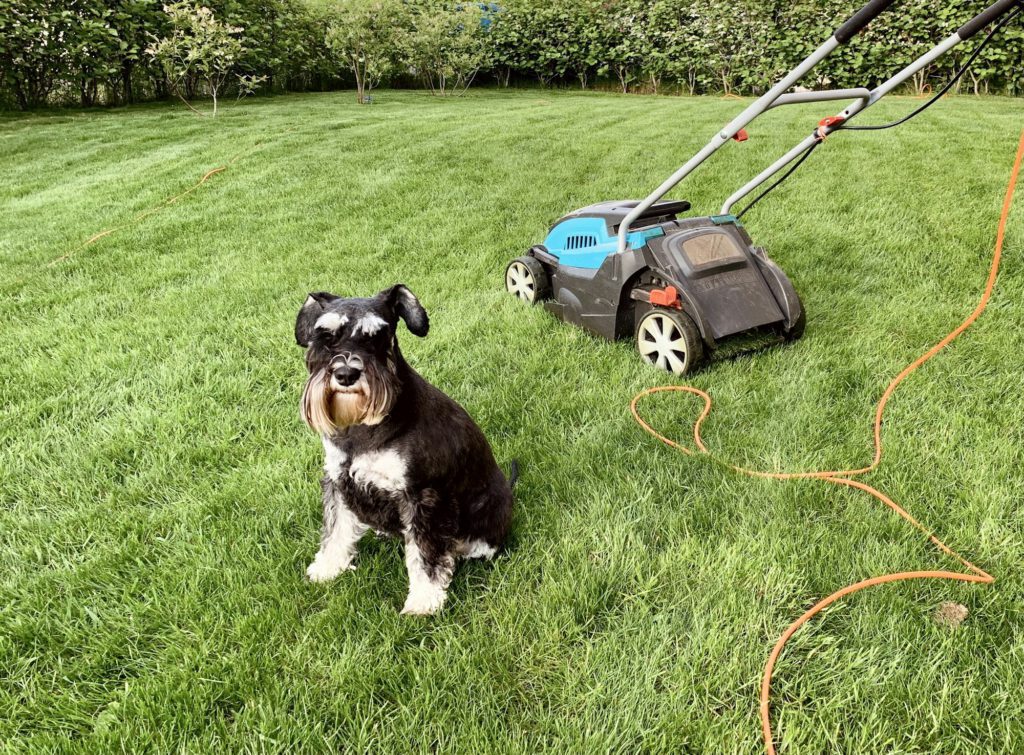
x=326, y=336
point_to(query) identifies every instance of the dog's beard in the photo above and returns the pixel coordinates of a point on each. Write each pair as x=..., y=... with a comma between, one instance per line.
x=327, y=408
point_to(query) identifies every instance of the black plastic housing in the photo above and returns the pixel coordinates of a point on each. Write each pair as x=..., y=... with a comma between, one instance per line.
x=729, y=287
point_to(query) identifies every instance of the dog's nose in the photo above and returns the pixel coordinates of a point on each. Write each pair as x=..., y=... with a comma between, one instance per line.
x=346, y=375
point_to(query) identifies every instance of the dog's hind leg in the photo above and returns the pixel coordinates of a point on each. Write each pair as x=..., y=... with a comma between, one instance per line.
x=341, y=531
x=476, y=549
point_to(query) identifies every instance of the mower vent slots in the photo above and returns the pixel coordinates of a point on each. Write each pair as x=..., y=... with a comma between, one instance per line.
x=580, y=242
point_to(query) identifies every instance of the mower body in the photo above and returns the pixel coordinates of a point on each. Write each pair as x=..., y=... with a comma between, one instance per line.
x=706, y=267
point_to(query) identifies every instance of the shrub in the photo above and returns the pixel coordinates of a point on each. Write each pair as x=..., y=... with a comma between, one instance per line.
x=366, y=35
x=447, y=43
x=199, y=50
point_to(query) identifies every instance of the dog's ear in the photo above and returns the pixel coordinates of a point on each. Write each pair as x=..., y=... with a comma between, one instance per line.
x=309, y=314
x=408, y=307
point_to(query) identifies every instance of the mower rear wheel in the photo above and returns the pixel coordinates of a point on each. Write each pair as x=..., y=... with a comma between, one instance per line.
x=526, y=279
x=669, y=339
x=797, y=330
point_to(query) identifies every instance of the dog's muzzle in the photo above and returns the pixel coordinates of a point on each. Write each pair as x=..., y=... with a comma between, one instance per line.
x=346, y=371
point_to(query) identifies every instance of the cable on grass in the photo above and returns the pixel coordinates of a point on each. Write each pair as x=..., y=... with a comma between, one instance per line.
x=845, y=477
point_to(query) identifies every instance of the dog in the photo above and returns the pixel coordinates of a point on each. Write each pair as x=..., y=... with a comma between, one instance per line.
x=401, y=457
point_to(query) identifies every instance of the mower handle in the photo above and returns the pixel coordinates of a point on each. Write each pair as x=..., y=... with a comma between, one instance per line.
x=862, y=18
x=777, y=95
x=976, y=24
x=983, y=19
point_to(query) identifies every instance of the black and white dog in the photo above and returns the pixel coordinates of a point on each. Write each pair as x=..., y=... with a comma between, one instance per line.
x=402, y=458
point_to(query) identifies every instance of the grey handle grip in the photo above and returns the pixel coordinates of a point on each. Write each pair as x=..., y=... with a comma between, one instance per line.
x=987, y=16
x=860, y=19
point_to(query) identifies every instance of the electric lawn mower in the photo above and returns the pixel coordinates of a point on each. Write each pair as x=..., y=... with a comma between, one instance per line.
x=681, y=285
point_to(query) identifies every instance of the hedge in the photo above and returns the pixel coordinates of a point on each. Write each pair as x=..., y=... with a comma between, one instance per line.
x=93, y=51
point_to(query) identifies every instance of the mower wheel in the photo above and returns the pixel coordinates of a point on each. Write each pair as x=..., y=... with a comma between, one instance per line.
x=669, y=339
x=795, y=332
x=526, y=279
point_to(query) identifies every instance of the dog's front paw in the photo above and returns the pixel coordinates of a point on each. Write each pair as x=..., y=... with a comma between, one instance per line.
x=324, y=569
x=424, y=601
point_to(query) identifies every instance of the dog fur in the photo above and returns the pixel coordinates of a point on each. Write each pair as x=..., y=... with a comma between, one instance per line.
x=400, y=457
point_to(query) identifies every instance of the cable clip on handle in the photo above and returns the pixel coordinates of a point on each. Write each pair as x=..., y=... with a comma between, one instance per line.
x=826, y=123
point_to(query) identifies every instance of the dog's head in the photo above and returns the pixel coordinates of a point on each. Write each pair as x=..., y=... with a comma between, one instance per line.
x=352, y=355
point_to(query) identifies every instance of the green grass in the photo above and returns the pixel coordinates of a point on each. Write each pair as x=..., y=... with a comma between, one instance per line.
x=159, y=496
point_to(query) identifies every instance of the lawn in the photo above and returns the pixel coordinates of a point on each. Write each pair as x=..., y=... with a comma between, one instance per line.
x=159, y=496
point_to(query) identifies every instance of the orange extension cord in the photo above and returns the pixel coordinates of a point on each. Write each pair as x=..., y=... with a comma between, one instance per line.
x=843, y=477
x=157, y=207
x=141, y=216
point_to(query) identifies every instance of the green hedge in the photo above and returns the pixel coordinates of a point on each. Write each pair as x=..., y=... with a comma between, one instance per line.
x=92, y=51
x=740, y=46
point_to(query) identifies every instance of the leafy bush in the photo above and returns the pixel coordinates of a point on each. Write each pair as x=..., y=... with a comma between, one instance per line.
x=200, y=50
x=365, y=35
x=446, y=44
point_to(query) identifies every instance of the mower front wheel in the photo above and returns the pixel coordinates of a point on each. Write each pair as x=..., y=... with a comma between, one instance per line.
x=669, y=339
x=526, y=279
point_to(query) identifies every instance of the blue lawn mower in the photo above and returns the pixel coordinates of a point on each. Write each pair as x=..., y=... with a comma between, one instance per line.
x=679, y=285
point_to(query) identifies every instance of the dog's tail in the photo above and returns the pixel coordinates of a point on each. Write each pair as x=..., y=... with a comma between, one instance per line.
x=513, y=473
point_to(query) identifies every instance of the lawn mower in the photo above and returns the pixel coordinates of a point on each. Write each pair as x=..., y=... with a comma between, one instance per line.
x=682, y=285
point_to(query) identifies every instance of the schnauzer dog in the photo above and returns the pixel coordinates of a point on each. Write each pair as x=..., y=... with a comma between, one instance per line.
x=401, y=457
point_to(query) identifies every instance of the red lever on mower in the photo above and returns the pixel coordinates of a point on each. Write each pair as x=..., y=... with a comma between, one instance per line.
x=666, y=297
